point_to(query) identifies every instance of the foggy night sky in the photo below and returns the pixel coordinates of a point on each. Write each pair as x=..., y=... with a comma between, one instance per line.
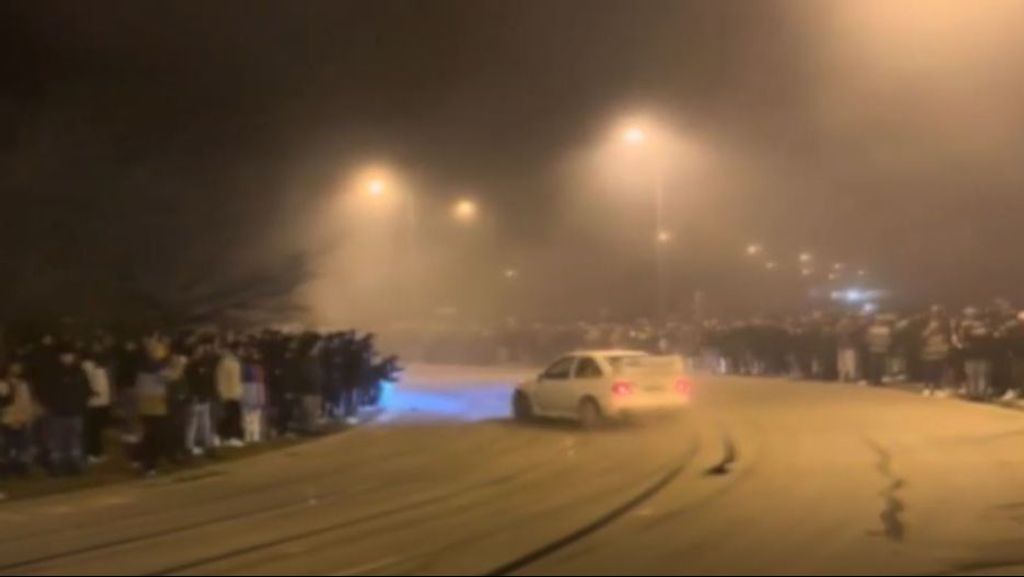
x=140, y=139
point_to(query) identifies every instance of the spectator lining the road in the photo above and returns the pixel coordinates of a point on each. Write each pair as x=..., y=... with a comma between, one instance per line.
x=165, y=395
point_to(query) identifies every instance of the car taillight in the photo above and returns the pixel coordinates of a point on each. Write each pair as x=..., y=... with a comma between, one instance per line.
x=621, y=388
x=683, y=386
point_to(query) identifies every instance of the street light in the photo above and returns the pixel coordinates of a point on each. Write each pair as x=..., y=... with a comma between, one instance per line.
x=634, y=135
x=754, y=249
x=862, y=273
x=510, y=273
x=638, y=135
x=376, y=186
x=806, y=257
x=806, y=272
x=771, y=265
x=465, y=210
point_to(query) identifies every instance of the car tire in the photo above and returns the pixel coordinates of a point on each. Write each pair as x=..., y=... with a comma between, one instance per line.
x=589, y=415
x=522, y=408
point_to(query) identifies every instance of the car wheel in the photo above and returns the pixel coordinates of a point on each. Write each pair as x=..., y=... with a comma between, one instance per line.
x=522, y=409
x=589, y=414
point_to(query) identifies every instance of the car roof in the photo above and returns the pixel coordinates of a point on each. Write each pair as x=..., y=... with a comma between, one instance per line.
x=608, y=353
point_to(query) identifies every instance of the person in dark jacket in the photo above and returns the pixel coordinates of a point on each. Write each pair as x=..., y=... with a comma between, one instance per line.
x=879, y=338
x=65, y=399
x=274, y=348
x=1013, y=334
x=977, y=341
x=127, y=363
x=200, y=379
x=291, y=382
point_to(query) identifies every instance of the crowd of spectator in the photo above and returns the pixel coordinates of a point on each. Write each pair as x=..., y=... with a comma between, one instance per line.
x=176, y=398
x=976, y=352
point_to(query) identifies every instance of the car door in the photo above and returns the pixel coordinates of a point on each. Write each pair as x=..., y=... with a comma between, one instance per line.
x=587, y=380
x=553, y=385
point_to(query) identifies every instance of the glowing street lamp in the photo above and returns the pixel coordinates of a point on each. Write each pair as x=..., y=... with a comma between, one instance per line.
x=376, y=186
x=510, y=273
x=634, y=135
x=646, y=138
x=862, y=273
x=465, y=210
x=838, y=266
x=806, y=257
x=806, y=272
x=754, y=249
x=771, y=265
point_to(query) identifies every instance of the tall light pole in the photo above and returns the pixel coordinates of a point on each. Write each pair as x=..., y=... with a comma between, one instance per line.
x=636, y=136
x=380, y=184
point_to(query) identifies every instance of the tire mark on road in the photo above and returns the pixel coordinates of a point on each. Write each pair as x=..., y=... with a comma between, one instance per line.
x=893, y=507
x=729, y=456
x=373, y=516
x=598, y=524
x=136, y=538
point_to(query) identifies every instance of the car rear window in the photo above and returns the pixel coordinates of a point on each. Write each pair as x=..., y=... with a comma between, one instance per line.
x=644, y=363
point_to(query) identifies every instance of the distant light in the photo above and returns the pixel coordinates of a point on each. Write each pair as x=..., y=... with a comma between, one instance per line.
x=838, y=266
x=862, y=272
x=754, y=249
x=869, y=308
x=376, y=186
x=806, y=257
x=510, y=273
x=857, y=295
x=664, y=236
x=832, y=276
x=771, y=265
x=634, y=135
x=465, y=210
x=806, y=272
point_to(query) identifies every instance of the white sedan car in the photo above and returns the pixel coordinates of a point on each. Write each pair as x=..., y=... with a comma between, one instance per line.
x=593, y=386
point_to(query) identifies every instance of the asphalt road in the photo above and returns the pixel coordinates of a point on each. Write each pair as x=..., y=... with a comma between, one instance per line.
x=763, y=476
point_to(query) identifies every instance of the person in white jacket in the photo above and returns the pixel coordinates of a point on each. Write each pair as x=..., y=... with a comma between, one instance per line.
x=97, y=414
x=229, y=390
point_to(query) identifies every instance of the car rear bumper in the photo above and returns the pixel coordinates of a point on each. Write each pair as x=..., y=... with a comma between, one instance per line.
x=640, y=407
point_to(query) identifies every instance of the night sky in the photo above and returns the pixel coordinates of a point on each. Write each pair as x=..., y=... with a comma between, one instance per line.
x=144, y=143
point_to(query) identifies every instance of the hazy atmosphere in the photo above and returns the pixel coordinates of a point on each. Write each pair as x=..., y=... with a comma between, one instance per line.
x=511, y=287
x=192, y=149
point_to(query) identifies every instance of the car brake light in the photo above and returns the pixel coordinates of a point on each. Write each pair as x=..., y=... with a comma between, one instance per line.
x=683, y=386
x=621, y=388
